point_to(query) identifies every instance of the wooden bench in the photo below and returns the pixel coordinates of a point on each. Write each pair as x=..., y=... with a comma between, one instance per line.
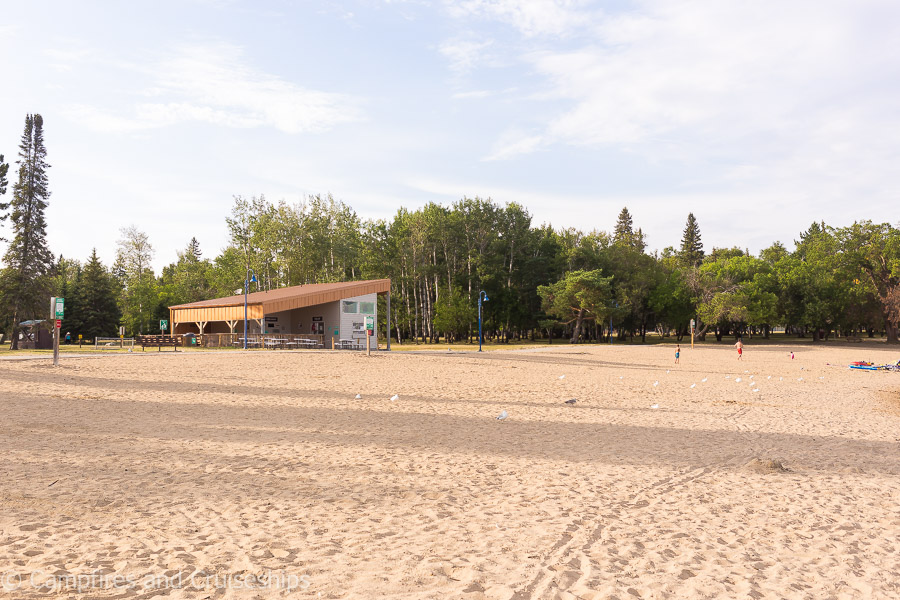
x=159, y=341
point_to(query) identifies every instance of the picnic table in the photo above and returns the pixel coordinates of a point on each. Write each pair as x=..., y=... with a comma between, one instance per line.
x=274, y=342
x=347, y=344
x=250, y=341
x=307, y=343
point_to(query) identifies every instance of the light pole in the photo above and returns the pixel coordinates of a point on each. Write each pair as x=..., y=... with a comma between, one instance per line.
x=481, y=294
x=250, y=279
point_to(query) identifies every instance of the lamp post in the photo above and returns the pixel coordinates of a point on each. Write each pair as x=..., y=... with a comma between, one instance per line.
x=250, y=279
x=481, y=294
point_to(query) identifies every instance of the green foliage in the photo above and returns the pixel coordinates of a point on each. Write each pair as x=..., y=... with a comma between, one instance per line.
x=454, y=315
x=4, y=206
x=139, y=298
x=94, y=309
x=578, y=296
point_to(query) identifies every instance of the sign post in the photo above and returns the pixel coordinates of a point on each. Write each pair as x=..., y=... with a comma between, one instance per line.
x=370, y=330
x=163, y=325
x=122, y=336
x=57, y=307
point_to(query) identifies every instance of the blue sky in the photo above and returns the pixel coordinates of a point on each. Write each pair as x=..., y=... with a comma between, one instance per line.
x=758, y=117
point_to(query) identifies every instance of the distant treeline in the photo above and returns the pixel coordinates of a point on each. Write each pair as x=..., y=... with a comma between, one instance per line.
x=542, y=282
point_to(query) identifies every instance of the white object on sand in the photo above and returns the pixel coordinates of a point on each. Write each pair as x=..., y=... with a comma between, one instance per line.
x=667, y=371
x=395, y=397
x=693, y=385
x=502, y=416
x=799, y=379
x=654, y=406
x=655, y=383
x=752, y=376
x=738, y=379
x=358, y=397
x=769, y=377
x=704, y=380
x=562, y=376
x=756, y=389
x=728, y=377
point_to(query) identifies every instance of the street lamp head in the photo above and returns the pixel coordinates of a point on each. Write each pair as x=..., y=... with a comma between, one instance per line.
x=253, y=278
x=484, y=295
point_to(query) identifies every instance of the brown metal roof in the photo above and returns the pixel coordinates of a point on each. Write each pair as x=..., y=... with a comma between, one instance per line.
x=298, y=296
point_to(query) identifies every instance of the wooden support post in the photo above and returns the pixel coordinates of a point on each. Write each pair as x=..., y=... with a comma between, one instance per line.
x=389, y=321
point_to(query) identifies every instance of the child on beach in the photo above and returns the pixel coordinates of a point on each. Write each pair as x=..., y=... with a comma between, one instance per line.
x=677, y=352
x=740, y=348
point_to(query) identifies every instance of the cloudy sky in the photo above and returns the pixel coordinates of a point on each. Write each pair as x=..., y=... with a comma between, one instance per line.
x=760, y=117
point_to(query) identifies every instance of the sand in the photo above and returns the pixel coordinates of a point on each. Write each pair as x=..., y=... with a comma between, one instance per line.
x=259, y=475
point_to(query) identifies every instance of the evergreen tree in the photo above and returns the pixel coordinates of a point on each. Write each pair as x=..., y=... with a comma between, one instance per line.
x=67, y=274
x=193, y=250
x=624, y=231
x=691, y=246
x=25, y=283
x=4, y=206
x=96, y=301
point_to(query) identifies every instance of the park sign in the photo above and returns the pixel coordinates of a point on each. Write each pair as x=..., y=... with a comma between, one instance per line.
x=370, y=324
x=60, y=306
x=163, y=324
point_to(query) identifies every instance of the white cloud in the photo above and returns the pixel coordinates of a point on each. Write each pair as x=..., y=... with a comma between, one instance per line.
x=214, y=84
x=797, y=96
x=530, y=17
x=464, y=54
x=514, y=143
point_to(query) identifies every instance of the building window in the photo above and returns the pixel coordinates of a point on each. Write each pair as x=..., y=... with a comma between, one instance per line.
x=367, y=308
x=350, y=307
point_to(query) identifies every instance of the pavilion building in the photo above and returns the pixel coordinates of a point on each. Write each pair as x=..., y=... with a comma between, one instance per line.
x=326, y=311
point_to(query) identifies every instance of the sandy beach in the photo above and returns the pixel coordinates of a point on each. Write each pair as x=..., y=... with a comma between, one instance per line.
x=261, y=475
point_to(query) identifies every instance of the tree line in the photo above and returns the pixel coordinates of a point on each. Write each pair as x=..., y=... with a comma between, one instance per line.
x=542, y=282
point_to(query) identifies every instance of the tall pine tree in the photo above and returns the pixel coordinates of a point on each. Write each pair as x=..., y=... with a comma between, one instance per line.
x=25, y=282
x=96, y=300
x=624, y=233
x=691, y=247
x=4, y=206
